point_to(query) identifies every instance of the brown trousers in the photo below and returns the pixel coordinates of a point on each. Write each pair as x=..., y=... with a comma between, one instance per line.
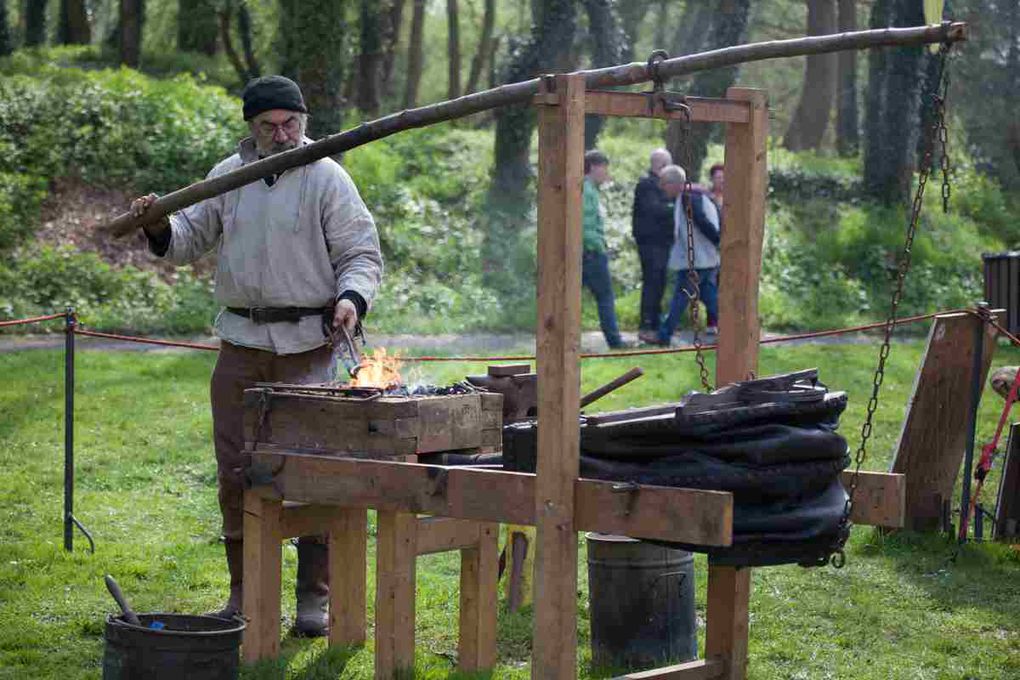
x=237, y=369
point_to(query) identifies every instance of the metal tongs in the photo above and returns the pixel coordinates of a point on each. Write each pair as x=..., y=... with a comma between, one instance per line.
x=343, y=345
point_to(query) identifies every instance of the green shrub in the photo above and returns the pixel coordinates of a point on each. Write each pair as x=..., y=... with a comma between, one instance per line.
x=20, y=196
x=46, y=280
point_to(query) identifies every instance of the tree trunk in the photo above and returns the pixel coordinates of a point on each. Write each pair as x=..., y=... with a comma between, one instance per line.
x=35, y=23
x=453, y=49
x=727, y=27
x=391, y=40
x=847, y=132
x=608, y=44
x=244, y=29
x=130, y=32
x=307, y=28
x=6, y=44
x=197, y=26
x=484, y=47
x=632, y=13
x=246, y=70
x=811, y=118
x=549, y=50
x=415, y=55
x=370, y=58
x=892, y=104
x=74, y=26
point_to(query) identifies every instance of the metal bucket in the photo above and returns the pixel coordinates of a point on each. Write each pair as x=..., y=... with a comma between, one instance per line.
x=191, y=647
x=641, y=604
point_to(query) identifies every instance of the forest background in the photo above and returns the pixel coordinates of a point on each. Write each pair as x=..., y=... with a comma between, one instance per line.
x=101, y=100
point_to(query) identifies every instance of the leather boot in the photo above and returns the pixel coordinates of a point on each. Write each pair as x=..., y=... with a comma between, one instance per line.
x=312, y=588
x=235, y=565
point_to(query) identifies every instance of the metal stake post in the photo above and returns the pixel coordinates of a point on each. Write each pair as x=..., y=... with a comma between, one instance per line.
x=70, y=521
x=976, y=386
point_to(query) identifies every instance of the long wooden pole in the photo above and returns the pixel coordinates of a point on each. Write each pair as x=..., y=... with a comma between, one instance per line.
x=516, y=93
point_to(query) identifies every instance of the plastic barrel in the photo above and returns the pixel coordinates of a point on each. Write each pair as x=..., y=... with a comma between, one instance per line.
x=187, y=647
x=641, y=604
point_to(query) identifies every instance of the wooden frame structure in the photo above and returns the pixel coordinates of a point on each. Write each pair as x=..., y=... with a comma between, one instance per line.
x=555, y=499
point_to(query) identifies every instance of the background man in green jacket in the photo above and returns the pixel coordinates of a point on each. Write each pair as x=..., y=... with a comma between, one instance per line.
x=595, y=265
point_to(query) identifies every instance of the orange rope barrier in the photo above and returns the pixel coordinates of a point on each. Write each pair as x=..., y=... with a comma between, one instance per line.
x=146, y=341
x=34, y=319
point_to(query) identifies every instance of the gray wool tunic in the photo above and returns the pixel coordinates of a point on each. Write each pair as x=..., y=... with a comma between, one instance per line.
x=301, y=242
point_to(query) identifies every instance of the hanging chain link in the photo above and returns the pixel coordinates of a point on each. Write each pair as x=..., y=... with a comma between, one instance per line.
x=693, y=280
x=937, y=133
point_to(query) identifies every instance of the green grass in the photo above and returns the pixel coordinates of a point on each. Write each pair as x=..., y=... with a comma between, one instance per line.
x=146, y=488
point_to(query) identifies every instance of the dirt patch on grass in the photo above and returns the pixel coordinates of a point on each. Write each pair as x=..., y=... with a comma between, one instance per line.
x=71, y=215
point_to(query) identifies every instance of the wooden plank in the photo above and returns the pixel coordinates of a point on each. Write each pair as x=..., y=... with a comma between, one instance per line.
x=262, y=563
x=394, y=595
x=302, y=519
x=637, y=105
x=613, y=509
x=492, y=496
x=702, y=669
x=879, y=500
x=729, y=594
x=729, y=589
x=1007, y=508
x=934, y=434
x=479, y=576
x=560, y=175
x=744, y=207
x=441, y=534
x=348, y=563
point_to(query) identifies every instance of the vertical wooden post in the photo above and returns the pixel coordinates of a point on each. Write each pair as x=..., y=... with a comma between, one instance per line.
x=396, y=553
x=479, y=575
x=729, y=589
x=262, y=563
x=560, y=174
x=348, y=537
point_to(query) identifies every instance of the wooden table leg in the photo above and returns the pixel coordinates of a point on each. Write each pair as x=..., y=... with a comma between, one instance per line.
x=396, y=554
x=348, y=537
x=262, y=564
x=729, y=593
x=479, y=585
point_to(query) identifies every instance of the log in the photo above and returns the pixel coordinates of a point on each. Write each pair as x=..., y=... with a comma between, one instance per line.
x=517, y=93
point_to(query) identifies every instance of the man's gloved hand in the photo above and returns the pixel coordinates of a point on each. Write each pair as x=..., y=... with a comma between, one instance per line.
x=138, y=208
x=345, y=314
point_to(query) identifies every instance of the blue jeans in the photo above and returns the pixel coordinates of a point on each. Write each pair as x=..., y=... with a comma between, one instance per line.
x=708, y=287
x=654, y=258
x=595, y=277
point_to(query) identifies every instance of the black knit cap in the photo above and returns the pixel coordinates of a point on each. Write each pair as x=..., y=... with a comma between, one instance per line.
x=272, y=92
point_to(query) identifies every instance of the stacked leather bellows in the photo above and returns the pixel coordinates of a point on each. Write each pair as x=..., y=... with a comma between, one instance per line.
x=771, y=442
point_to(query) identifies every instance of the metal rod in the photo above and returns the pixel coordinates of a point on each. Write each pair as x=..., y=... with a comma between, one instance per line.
x=976, y=385
x=69, y=429
x=615, y=384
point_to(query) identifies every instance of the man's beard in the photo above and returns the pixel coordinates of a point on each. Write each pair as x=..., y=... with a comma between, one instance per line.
x=277, y=147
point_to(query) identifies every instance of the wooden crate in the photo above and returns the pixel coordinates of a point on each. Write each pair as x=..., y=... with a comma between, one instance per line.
x=380, y=427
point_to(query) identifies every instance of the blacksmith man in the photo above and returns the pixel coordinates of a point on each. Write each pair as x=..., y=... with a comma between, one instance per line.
x=292, y=250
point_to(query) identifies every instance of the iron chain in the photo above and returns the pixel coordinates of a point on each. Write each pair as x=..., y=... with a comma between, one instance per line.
x=693, y=279
x=937, y=133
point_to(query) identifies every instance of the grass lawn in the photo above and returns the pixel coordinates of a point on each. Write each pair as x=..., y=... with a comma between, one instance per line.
x=146, y=488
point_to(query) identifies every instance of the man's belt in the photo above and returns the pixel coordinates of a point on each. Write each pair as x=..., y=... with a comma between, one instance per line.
x=262, y=315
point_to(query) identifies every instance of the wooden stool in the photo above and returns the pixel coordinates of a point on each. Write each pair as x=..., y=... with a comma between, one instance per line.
x=401, y=537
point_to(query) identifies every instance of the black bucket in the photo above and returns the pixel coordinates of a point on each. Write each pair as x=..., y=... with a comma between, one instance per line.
x=641, y=604
x=185, y=648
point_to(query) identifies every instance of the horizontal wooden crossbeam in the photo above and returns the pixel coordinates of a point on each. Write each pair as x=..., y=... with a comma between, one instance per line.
x=702, y=669
x=654, y=512
x=644, y=105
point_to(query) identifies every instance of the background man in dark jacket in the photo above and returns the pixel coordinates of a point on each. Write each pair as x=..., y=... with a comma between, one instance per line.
x=653, y=231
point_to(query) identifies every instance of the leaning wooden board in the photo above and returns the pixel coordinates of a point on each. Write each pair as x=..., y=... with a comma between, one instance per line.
x=381, y=427
x=934, y=435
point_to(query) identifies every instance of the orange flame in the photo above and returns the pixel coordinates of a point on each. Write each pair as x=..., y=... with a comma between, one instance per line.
x=378, y=369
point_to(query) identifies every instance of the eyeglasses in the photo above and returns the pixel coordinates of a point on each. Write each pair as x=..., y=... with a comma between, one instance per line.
x=289, y=126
